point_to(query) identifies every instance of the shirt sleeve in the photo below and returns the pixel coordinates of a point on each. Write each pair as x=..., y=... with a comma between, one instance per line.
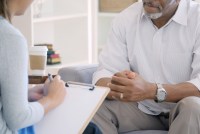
x=17, y=111
x=114, y=56
x=195, y=76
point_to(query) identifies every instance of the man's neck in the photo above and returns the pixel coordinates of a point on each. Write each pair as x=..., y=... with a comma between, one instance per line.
x=160, y=22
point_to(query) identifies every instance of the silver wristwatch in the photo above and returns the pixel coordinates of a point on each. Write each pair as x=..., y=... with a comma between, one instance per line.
x=161, y=93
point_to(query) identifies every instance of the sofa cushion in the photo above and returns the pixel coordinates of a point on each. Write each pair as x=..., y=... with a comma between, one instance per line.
x=82, y=73
x=148, y=132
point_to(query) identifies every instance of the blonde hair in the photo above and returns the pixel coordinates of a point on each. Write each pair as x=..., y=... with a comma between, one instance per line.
x=4, y=9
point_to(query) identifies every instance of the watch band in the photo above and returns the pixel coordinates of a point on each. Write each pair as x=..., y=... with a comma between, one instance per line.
x=160, y=91
x=159, y=85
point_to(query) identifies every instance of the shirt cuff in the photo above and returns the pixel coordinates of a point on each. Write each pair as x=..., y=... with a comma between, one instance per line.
x=196, y=82
x=101, y=74
x=39, y=111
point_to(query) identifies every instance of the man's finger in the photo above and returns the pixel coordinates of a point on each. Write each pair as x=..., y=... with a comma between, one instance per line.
x=110, y=95
x=131, y=75
x=120, y=80
x=117, y=88
x=120, y=74
x=115, y=95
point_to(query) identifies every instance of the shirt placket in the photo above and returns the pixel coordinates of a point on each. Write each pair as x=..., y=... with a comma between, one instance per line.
x=157, y=41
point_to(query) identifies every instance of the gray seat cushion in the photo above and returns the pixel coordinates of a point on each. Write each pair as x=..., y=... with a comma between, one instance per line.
x=82, y=73
x=148, y=132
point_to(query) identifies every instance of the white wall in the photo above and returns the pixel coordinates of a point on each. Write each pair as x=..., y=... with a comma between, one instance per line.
x=24, y=24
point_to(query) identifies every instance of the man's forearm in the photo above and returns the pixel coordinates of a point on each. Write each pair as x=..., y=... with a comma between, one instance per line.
x=174, y=92
x=180, y=91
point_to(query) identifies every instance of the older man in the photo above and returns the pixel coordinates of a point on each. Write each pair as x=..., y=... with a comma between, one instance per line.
x=159, y=41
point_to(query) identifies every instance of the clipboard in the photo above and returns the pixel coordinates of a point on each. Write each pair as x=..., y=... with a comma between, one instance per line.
x=75, y=113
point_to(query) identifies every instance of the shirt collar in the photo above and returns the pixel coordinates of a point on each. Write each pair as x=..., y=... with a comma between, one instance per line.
x=181, y=14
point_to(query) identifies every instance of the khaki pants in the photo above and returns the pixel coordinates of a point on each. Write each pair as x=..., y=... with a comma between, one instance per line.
x=115, y=117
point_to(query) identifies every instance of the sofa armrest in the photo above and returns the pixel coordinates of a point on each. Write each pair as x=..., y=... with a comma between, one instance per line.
x=80, y=73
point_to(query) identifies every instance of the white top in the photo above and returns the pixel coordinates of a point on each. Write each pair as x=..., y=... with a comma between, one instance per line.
x=168, y=55
x=15, y=110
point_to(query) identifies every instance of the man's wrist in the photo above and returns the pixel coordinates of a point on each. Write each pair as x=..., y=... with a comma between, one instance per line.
x=161, y=93
x=152, y=88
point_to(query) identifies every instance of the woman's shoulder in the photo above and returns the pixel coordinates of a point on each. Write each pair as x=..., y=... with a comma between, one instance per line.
x=8, y=30
x=11, y=40
x=10, y=36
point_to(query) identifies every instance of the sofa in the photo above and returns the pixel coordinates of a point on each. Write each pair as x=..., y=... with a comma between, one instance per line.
x=83, y=73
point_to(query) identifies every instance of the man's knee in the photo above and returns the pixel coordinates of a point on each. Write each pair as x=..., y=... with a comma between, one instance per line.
x=104, y=119
x=186, y=115
x=103, y=113
x=190, y=105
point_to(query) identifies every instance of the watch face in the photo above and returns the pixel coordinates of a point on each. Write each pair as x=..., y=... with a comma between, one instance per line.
x=161, y=95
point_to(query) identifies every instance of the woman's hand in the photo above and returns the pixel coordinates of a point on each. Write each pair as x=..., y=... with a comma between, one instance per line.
x=54, y=92
x=35, y=93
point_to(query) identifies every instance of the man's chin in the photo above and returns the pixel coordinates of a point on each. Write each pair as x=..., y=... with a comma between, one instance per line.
x=154, y=16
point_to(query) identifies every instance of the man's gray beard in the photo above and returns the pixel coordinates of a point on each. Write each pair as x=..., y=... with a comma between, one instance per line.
x=154, y=16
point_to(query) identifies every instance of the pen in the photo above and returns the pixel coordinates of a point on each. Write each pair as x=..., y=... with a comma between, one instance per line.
x=50, y=77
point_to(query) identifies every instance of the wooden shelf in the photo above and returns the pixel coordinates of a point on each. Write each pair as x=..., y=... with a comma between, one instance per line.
x=36, y=79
